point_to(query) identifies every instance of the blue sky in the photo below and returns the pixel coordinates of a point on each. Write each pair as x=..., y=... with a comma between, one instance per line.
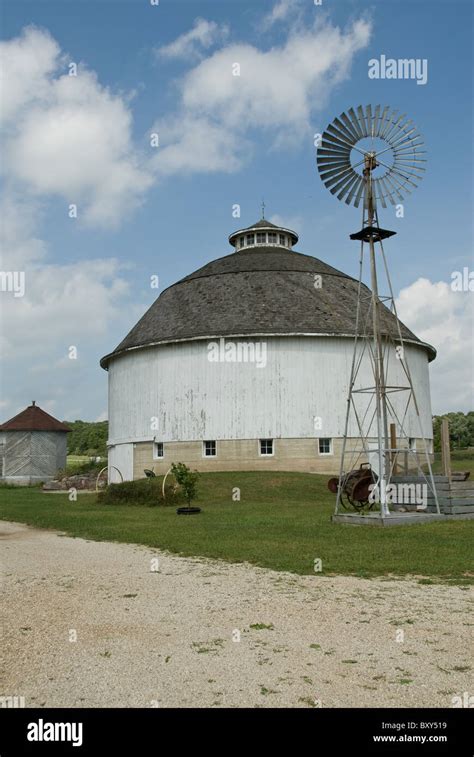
x=171, y=217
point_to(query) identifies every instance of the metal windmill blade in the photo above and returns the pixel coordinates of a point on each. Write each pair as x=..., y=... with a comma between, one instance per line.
x=344, y=151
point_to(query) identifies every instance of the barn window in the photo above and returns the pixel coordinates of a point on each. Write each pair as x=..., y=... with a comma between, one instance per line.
x=261, y=237
x=283, y=239
x=241, y=241
x=209, y=449
x=158, y=450
x=272, y=237
x=325, y=446
x=266, y=447
x=250, y=239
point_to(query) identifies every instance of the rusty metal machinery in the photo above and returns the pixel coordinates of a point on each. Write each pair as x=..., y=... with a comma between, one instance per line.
x=355, y=488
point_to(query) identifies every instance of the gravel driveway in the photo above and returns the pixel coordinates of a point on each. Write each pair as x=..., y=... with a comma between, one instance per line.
x=94, y=624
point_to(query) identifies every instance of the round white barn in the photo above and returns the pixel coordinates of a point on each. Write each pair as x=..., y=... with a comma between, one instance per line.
x=245, y=364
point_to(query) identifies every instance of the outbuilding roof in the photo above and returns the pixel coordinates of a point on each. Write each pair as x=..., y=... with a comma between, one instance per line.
x=33, y=418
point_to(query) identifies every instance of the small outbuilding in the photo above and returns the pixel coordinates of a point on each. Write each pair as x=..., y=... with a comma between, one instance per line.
x=33, y=447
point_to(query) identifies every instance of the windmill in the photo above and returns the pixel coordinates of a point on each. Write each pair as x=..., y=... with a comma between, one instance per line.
x=369, y=156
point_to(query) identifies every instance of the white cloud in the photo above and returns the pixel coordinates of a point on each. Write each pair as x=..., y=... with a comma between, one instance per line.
x=67, y=135
x=444, y=318
x=294, y=223
x=277, y=91
x=18, y=241
x=70, y=138
x=63, y=306
x=279, y=87
x=280, y=12
x=197, y=146
x=26, y=63
x=51, y=314
x=203, y=35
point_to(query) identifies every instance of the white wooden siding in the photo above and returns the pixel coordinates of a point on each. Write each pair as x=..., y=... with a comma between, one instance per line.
x=33, y=455
x=120, y=456
x=192, y=398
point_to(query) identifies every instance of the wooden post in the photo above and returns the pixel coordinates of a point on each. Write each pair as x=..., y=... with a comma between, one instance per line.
x=393, y=446
x=445, y=449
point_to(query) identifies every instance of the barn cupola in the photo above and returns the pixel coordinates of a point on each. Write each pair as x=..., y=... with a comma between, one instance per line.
x=263, y=234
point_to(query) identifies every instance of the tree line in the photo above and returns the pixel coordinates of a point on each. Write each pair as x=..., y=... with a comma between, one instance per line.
x=87, y=438
x=461, y=430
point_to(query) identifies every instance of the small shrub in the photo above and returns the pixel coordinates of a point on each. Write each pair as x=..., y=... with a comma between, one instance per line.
x=144, y=491
x=187, y=479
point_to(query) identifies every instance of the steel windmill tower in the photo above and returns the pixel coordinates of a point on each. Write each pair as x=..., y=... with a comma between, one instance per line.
x=350, y=163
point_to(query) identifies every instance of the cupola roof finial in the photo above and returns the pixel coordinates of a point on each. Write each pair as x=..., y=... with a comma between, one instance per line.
x=263, y=209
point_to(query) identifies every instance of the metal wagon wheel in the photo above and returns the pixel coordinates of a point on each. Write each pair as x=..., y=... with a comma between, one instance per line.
x=100, y=481
x=173, y=487
x=345, y=501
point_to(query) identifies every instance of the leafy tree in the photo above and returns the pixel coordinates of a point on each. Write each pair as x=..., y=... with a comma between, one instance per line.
x=461, y=430
x=187, y=479
x=87, y=438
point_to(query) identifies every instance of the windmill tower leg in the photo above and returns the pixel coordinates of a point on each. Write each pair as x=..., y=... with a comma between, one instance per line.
x=379, y=373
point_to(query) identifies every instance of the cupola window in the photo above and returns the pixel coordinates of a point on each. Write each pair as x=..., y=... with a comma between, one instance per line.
x=261, y=234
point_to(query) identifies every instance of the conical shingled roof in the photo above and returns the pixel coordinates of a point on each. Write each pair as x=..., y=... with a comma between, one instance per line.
x=255, y=291
x=263, y=224
x=33, y=418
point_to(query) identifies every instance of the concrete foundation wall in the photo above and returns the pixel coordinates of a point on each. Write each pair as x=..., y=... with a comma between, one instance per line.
x=300, y=455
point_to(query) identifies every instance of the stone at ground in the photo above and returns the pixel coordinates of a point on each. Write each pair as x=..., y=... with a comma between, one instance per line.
x=76, y=481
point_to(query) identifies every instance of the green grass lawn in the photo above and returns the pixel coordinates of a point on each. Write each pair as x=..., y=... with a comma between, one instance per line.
x=77, y=462
x=456, y=465
x=282, y=521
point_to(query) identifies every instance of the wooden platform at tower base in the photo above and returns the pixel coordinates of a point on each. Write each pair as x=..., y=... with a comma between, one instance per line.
x=455, y=496
x=397, y=518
